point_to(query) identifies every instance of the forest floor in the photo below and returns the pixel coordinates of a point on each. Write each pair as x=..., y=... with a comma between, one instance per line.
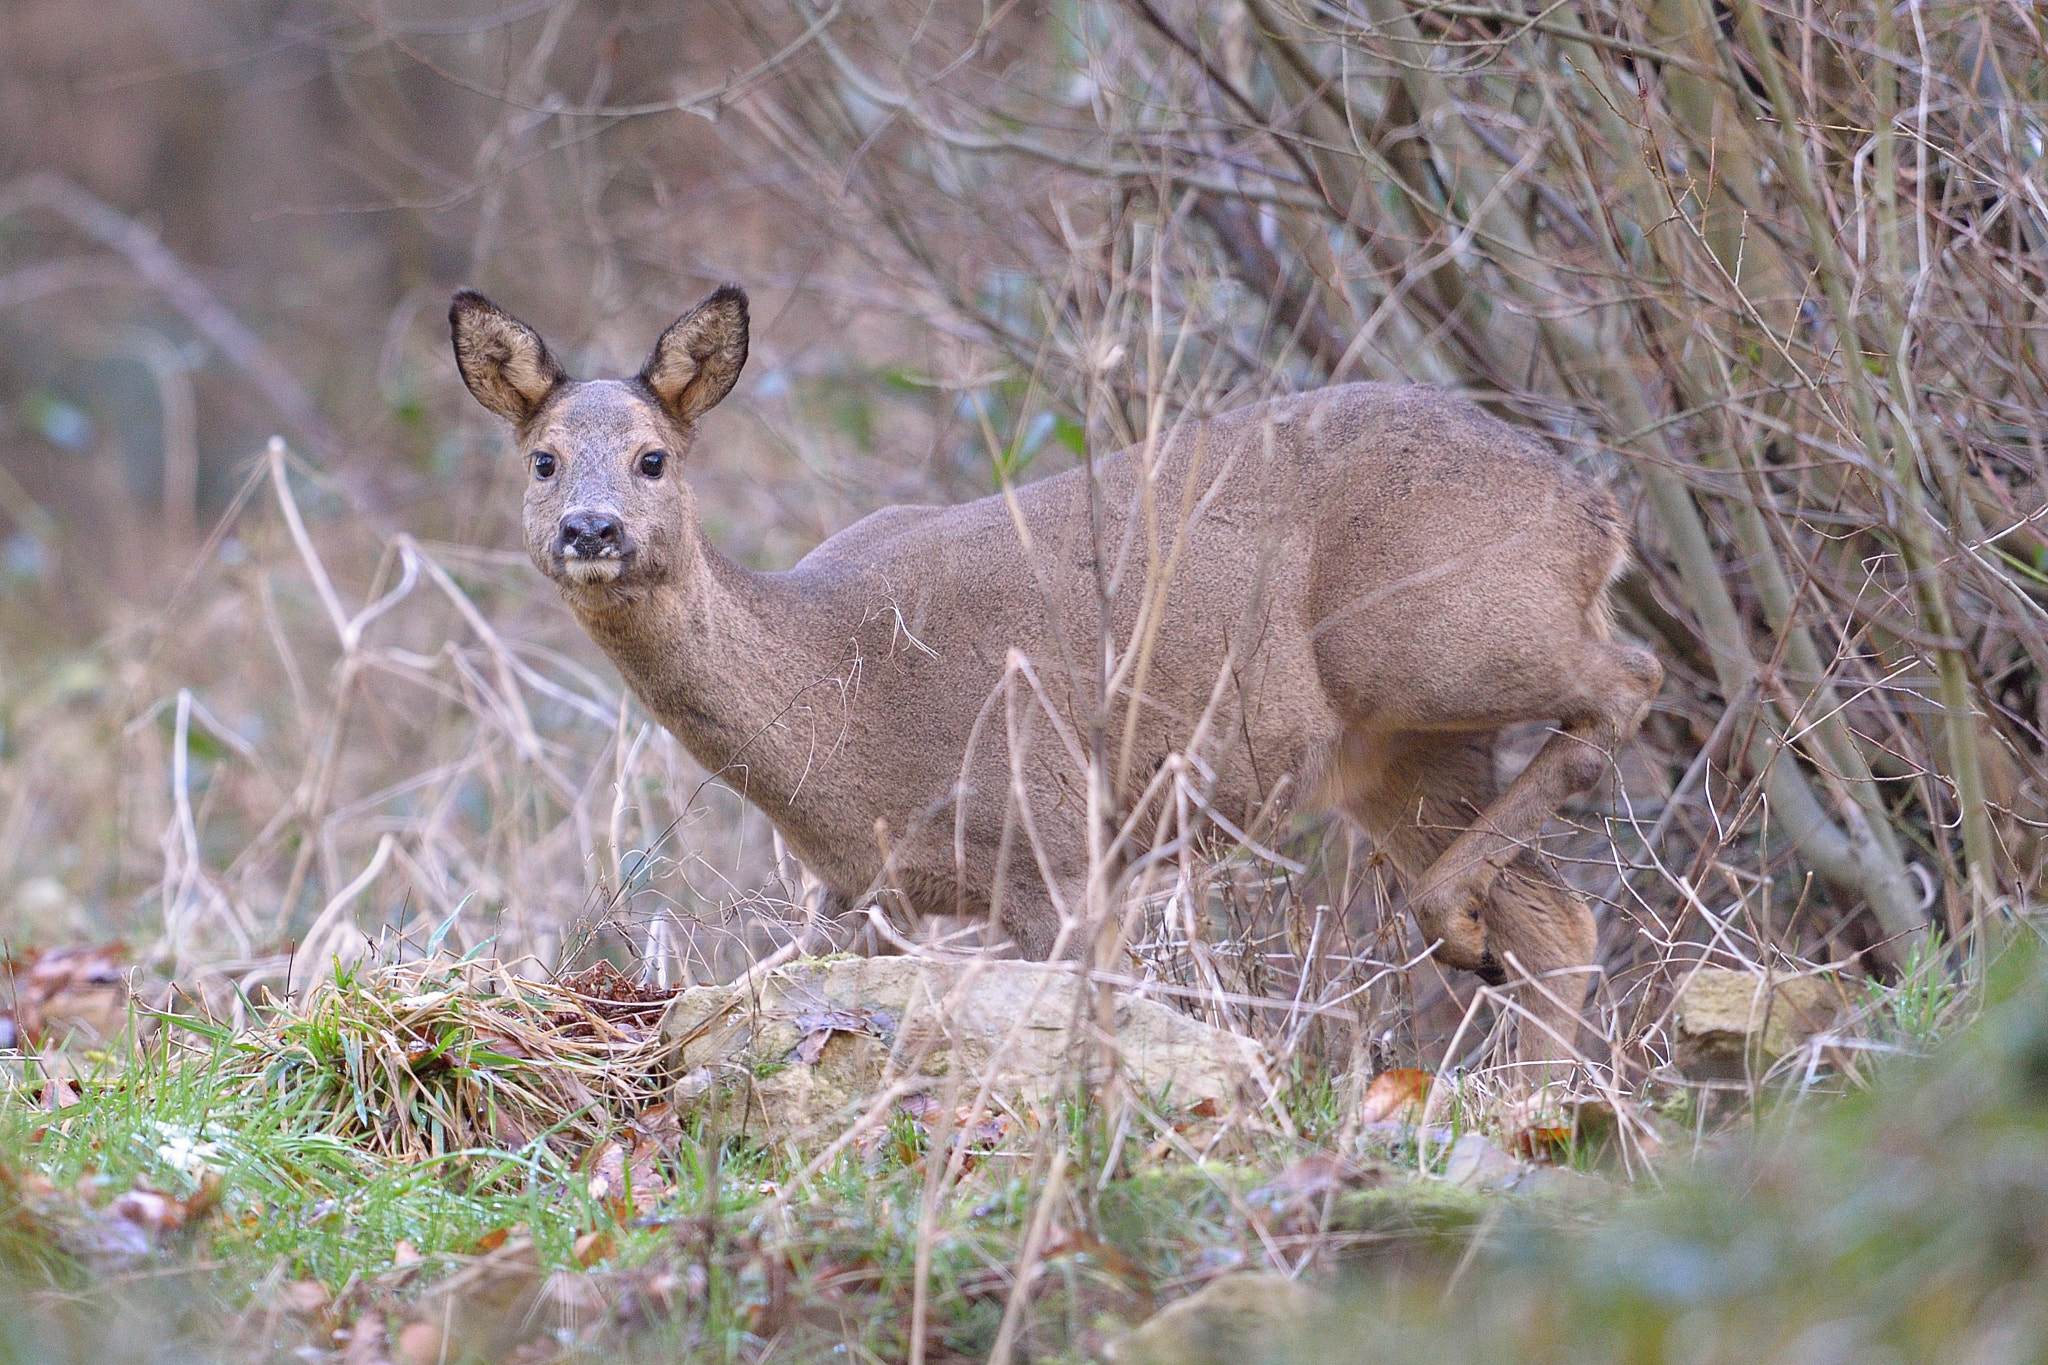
x=328, y=1185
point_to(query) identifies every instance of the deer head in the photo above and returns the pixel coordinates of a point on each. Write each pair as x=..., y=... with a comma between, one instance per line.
x=607, y=513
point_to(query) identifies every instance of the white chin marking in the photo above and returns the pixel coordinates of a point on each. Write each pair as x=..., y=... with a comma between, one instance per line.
x=591, y=570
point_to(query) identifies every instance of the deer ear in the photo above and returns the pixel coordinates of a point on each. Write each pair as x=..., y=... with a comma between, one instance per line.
x=504, y=362
x=698, y=359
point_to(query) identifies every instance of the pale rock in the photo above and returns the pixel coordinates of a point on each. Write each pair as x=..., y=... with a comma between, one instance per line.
x=1723, y=1018
x=814, y=1038
x=1234, y=1320
x=1478, y=1162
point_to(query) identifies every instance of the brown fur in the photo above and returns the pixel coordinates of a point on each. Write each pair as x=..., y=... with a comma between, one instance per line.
x=1374, y=581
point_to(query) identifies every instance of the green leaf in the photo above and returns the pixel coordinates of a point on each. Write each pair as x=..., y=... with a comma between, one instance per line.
x=440, y=934
x=1070, y=434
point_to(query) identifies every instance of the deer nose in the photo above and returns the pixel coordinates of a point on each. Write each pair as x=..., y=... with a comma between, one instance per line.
x=589, y=535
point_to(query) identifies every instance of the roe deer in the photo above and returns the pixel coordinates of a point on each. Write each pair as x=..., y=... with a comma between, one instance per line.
x=1355, y=590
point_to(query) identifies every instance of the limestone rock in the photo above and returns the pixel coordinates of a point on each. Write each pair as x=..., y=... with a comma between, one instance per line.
x=1725, y=1018
x=1234, y=1320
x=1478, y=1162
x=815, y=1037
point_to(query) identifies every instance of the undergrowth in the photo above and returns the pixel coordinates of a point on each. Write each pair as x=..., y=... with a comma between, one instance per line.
x=312, y=1219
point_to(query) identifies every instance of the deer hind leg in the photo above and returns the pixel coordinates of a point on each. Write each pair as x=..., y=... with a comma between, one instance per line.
x=1609, y=691
x=1416, y=794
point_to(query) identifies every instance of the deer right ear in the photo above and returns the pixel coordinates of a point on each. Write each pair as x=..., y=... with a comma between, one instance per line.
x=699, y=358
x=504, y=362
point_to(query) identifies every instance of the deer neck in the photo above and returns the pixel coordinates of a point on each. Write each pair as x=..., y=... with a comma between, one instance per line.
x=697, y=651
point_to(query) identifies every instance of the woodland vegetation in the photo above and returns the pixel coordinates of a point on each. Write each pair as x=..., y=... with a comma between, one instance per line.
x=278, y=688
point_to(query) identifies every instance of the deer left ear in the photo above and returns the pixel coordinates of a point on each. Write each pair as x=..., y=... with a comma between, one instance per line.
x=504, y=362
x=699, y=358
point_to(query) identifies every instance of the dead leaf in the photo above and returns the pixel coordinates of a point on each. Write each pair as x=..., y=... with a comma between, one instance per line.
x=366, y=1342
x=154, y=1213
x=67, y=994
x=27, y=1185
x=921, y=1105
x=819, y=1026
x=206, y=1198
x=59, y=1093
x=593, y=1247
x=304, y=1298
x=628, y=1184
x=1538, y=1142
x=501, y=1045
x=405, y=1254
x=1393, y=1094
x=601, y=980
x=419, y=1343
x=658, y=1126
x=1310, y=1179
x=981, y=1130
x=490, y=1241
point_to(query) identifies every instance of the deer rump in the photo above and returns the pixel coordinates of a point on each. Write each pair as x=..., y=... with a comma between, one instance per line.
x=1334, y=599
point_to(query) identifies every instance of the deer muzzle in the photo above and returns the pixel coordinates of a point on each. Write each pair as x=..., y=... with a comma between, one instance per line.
x=591, y=544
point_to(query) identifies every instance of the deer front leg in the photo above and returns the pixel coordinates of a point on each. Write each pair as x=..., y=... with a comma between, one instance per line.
x=1543, y=938
x=1449, y=897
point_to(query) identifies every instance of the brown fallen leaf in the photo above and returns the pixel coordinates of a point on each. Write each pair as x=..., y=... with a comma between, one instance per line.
x=601, y=980
x=490, y=1241
x=419, y=1343
x=629, y=1184
x=206, y=1198
x=1311, y=1178
x=819, y=1026
x=304, y=1298
x=658, y=1126
x=137, y=1220
x=981, y=1130
x=365, y=1344
x=405, y=1254
x=58, y=1091
x=919, y=1104
x=502, y=1045
x=1393, y=1094
x=63, y=995
x=154, y=1213
x=1539, y=1142
x=593, y=1247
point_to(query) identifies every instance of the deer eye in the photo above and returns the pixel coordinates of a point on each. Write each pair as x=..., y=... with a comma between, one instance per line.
x=653, y=462
x=543, y=465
